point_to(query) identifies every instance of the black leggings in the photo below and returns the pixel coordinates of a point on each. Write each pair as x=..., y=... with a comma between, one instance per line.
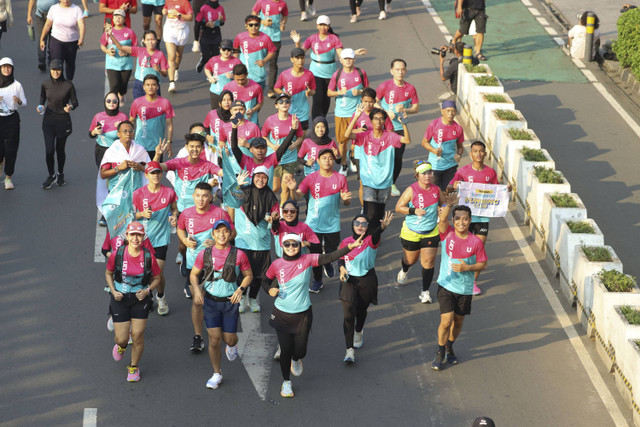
x=331, y=242
x=55, y=131
x=355, y=314
x=293, y=346
x=397, y=160
x=374, y=211
x=209, y=49
x=357, y=3
x=118, y=80
x=303, y=5
x=273, y=66
x=321, y=101
x=9, y=141
x=66, y=52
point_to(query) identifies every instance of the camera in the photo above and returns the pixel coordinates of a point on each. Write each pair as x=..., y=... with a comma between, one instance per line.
x=442, y=51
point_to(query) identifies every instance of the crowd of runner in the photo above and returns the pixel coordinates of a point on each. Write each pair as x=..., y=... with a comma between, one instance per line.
x=256, y=190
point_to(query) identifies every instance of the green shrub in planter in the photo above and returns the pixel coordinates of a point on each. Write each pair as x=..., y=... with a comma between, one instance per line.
x=506, y=114
x=520, y=135
x=487, y=81
x=626, y=47
x=547, y=175
x=495, y=98
x=582, y=227
x=638, y=343
x=533, y=154
x=475, y=68
x=631, y=314
x=563, y=200
x=597, y=254
x=615, y=281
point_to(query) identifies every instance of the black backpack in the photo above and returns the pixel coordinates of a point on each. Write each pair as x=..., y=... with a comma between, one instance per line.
x=117, y=274
x=228, y=270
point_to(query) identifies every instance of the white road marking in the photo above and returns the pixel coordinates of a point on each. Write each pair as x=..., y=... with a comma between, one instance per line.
x=551, y=31
x=578, y=63
x=101, y=234
x=437, y=20
x=589, y=75
x=559, y=40
x=443, y=29
x=526, y=3
x=625, y=116
x=90, y=418
x=255, y=350
x=543, y=21
x=590, y=368
x=534, y=11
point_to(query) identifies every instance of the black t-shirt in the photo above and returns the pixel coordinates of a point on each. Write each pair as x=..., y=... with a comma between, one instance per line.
x=473, y=4
x=451, y=73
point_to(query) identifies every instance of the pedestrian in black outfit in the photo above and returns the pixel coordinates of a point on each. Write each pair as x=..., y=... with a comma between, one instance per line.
x=207, y=31
x=11, y=98
x=60, y=97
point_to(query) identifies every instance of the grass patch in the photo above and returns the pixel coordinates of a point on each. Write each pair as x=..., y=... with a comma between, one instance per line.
x=564, y=200
x=533, y=154
x=597, y=253
x=631, y=314
x=520, y=134
x=506, y=115
x=492, y=97
x=487, y=81
x=547, y=175
x=582, y=227
x=615, y=281
x=475, y=68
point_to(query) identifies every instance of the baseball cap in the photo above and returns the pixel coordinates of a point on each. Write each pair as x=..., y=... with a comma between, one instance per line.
x=6, y=61
x=135, y=228
x=323, y=19
x=55, y=64
x=152, y=166
x=226, y=44
x=292, y=236
x=238, y=103
x=119, y=12
x=483, y=422
x=326, y=150
x=221, y=222
x=261, y=169
x=258, y=141
x=347, y=53
x=282, y=96
x=297, y=51
x=250, y=18
x=447, y=104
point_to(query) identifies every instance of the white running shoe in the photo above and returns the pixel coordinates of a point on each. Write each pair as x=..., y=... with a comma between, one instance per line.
x=231, y=352
x=214, y=381
x=130, y=339
x=163, y=307
x=8, y=184
x=350, y=356
x=172, y=87
x=352, y=165
x=387, y=7
x=394, y=191
x=303, y=16
x=176, y=75
x=276, y=356
x=425, y=297
x=296, y=367
x=110, y=326
x=382, y=16
x=196, y=46
x=344, y=171
x=358, y=339
x=253, y=305
x=243, y=304
x=354, y=18
x=311, y=9
x=286, y=390
x=179, y=258
x=402, y=277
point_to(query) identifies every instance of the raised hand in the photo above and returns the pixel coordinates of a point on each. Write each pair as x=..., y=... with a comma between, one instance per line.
x=243, y=178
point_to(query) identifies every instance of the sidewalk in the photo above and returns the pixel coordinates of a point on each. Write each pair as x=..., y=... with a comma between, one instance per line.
x=608, y=12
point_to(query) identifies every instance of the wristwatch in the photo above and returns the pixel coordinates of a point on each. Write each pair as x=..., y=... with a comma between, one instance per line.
x=243, y=289
x=116, y=169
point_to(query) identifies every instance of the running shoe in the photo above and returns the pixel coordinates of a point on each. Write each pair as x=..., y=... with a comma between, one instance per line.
x=183, y=269
x=350, y=356
x=117, y=352
x=110, y=326
x=344, y=171
x=198, y=344
x=48, y=183
x=354, y=18
x=102, y=222
x=86, y=13
x=8, y=184
x=402, y=277
x=329, y=271
x=172, y=87
x=60, y=180
x=382, y=16
x=296, y=367
x=352, y=165
x=303, y=16
x=436, y=365
x=42, y=66
x=316, y=285
x=425, y=297
x=214, y=381
x=163, y=307
x=276, y=356
x=133, y=374
x=243, y=304
x=387, y=7
x=394, y=191
x=358, y=339
x=286, y=390
x=231, y=352
x=476, y=289
x=450, y=356
x=187, y=291
x=200, y=65
x=179, y=258
x=195, y=47
x=253, y=305
x=130, y=339
x=176, y=75
x=311, y=9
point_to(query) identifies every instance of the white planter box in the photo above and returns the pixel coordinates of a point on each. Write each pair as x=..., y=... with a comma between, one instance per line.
x=603, y=300
x=508, y=149
x=553, y=216
x=484, y=109
x=620, y=333
x=536, y=194
x=628, y=361
x=566, y=246
x=464, y=77
x=581, y=278
x=523, y=180
x=494, y=131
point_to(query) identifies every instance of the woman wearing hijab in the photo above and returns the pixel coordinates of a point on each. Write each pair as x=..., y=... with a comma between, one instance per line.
x=11, y=98
x=290, y=223
x=104, y=126
x=60, y=98
x=316, y=140
x=216, y=119
x=292, y=315
x=358, y=280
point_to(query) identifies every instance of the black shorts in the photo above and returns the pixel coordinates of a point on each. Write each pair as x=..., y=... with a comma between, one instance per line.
x=149, y=9
x=479, y=228
x=259, y=262
x=161, y=252
x=450, y=301
x=129, y=307
x=469, y=15
x=429, y=242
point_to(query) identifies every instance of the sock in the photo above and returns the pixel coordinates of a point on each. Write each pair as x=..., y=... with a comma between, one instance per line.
x=440, y=349
x=160, y=295
x=405, y=267
x=449, y=344
x=427, y=277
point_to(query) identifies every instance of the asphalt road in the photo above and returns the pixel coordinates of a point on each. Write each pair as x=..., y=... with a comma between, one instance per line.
x=517, y=364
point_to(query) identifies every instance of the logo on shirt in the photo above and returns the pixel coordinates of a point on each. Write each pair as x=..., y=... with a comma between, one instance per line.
x=487, y=178
x=163, y=200
x=469, y=250
x=159, y=109
x=212, y=220
x=299, y=266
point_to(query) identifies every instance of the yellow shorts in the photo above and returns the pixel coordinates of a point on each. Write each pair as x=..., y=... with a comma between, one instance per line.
x=412, y=236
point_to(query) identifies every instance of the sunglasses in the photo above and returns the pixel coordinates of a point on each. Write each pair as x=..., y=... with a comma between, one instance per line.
x=135, y=228
x=253, y=25
x=225, y=48
x=291, y=245
x=360, y=223
x=111, y=101
x=284, y=101
x=289, y=211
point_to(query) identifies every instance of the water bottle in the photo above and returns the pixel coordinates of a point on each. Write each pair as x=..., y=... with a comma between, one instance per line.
x=4, y=108
x=31, y=32
x=40, y=109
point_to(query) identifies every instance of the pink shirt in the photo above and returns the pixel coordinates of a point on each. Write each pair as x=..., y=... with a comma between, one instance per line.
x=277, y=129
x=209, y=14
x=144, y=199
x=246, y=131
x=249, y=164
x=252, y=91
x=65, y=22
x=218, y=258
x=468, y=174
x=364, y=122
x=145, y=110
x=149, y=61
x=193, y=222
x=133, y=266
x=393, y=94
x=247, y=44
x=295, y=84
x=188, y=171
x=110, y=245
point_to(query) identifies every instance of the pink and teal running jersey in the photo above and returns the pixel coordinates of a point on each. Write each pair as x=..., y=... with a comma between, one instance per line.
x=360, y=260
x=455, y=249
x=301, y=229
x=346, y=104
x=199, y=227
x=468, y=174
x=274, y=10
x=296, y=87
x=293, y=280
x=323, y=54
x=446, y=137
x=250, y=236
x=323, y=213
x=376, y=157
x=146, y=62
x=132, y=271
x=219, y=287
x=220, y=68
x=390, y=95
x=309, y=150
x=188, y=175
x=109, y=127
x=157, y=227
x=424, y=199
x=251, y=95
x=254, y=49
x=151, y=120
x=120, y=61
x=277, y=130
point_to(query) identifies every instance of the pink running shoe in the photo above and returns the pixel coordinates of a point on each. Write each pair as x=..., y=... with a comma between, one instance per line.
x=133, y=374
x=117, y=352
x=476, y=289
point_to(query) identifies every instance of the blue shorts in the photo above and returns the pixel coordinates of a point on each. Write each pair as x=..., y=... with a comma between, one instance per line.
x=221, y=315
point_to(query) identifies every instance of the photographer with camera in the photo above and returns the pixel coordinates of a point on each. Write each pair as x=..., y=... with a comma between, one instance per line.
x=451, y=73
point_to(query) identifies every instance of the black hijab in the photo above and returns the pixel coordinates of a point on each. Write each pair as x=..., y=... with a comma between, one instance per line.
x=225, y=115
x=311, y=134
x=6, y=80
x=353, y=230
x=258, y=202
x=295, y=204
x=115, y=112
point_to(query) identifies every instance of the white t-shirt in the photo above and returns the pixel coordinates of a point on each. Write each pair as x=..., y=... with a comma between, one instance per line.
x=65, y=22
x=578, y=36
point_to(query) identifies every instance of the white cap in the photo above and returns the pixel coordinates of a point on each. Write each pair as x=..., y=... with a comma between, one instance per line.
x=291, y=236
x=261, y=169
x=347, y=53
x=323, y=19
x=6, y=61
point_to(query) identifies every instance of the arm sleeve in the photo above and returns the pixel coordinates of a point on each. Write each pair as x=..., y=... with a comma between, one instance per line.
x=237, y=153
x=376, y=234
x=73, y=98
x=327, y=258
x=43, y=95
x=285, y=144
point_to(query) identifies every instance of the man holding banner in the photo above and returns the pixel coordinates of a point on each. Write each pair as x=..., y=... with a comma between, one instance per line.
x=481, y=192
